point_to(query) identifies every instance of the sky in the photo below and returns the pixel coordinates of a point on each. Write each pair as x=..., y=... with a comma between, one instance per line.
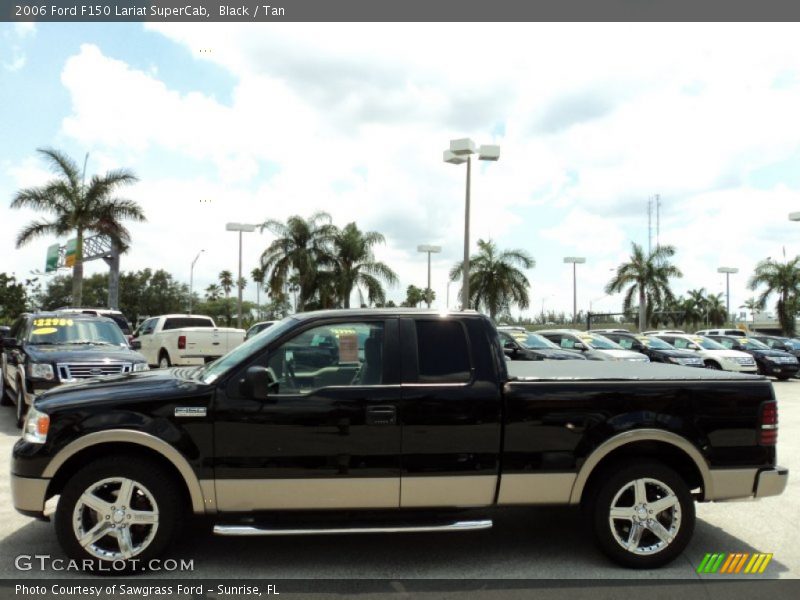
x=249, y=122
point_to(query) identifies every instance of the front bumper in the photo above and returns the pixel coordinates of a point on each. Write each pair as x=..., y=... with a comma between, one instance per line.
x=29, y=494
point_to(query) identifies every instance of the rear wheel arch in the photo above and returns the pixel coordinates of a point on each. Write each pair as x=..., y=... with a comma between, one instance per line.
x=666, y=447
x=124, y=442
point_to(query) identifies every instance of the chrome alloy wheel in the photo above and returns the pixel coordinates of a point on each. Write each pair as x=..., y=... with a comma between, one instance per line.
x=115, y=519
x=645, y=516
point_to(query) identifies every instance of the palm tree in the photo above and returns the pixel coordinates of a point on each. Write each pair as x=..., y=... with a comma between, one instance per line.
x=213, y=292
x=646, y=276
x=257, y=275
x=226, y=282
x=302, y=247
x=79, y=208
x=717, y=310
x=753, y=306
x=495, y=282
x=355, y=265
x=782, y=279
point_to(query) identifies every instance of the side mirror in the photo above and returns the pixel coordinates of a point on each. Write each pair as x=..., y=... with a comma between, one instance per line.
x=136, y=345
x=579, y=346
x=256, y=383
x=9, y=342
x=510, y=351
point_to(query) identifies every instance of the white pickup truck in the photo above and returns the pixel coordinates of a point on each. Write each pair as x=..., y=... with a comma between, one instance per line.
x=184, y=340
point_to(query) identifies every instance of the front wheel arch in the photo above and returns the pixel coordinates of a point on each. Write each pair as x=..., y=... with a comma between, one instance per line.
x=192, y=495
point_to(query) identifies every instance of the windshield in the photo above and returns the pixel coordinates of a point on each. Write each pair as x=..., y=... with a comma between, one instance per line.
x=598, y=342
x=214, y=370
x=708, y=344
x=752, y=344
x=655, y=343
x=55, y=330
x=537, y=342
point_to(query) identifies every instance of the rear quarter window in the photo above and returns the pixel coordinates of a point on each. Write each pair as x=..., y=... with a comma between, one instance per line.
x=442, y=352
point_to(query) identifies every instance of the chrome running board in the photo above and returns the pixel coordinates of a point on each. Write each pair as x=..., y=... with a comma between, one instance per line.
x=272, y=530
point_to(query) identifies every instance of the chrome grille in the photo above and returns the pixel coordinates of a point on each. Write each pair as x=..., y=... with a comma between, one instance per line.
x=749, y=361
x=75, y=371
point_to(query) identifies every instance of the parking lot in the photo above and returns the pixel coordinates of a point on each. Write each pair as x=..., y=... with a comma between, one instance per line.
x=525, y=543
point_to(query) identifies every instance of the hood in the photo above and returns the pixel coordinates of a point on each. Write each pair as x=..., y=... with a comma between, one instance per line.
x=157, y=386
x=676, y=353
x=555, y=354
x=75, y=353
x=623, y=354
x=730, y=353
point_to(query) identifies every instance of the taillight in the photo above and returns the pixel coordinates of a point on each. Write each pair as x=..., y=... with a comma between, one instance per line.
x=181, y=342
x=768, y=424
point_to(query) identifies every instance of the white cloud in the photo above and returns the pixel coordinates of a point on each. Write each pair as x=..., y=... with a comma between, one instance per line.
x=352, y=119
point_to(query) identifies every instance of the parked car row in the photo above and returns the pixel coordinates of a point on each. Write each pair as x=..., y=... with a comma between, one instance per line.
x=720, y=349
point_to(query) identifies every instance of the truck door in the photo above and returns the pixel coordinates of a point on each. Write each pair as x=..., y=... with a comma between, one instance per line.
x=327, y=436
x=451, y=414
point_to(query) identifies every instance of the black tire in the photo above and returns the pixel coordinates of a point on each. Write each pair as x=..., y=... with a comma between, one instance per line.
x=152, y=484
x=713, y=365
x=164, y=356
x=783, y=377
x=5, y=393
x=618, y=482
x=20, y=406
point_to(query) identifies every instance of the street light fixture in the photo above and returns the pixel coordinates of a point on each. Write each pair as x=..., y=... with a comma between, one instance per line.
x=575, y=260
x=240, y=227
x=728, y=271
x=191, y=279
x=429, y=250
x=461, y=151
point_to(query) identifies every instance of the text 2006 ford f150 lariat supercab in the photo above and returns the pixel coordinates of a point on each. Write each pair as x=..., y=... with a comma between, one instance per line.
x=368, y=420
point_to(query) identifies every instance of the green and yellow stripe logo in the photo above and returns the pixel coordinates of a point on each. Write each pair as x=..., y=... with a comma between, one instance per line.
x=734, y=563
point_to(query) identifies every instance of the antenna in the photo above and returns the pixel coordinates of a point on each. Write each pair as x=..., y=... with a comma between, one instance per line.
x=658, y=220
x=649, y=225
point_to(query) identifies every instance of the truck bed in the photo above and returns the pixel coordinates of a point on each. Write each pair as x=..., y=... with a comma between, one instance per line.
x=574, y=370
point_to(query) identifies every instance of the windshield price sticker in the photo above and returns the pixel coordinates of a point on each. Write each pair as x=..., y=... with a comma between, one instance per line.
x=52, y=323
x=348, y=348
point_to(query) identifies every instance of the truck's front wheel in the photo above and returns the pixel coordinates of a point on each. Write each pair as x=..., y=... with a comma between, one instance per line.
x=118, y=509
x=642, y=514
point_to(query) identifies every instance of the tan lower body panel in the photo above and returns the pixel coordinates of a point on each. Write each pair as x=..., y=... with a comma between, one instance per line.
x=536, y=488
x=298, y=494
x=455, y=491
x=730, y=484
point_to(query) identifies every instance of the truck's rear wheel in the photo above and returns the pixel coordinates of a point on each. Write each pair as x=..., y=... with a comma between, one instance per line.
x=118, y=509
x=642, y=514
x=163, y=361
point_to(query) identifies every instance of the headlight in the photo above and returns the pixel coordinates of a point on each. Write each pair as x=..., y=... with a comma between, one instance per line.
x=36, y=426
x=677, y=361
x=140, y=367
x=40, y=371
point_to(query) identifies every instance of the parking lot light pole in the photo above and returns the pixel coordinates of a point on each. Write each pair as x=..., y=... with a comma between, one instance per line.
x=461, y=151
x=794, y=216
x=240, y=227
x=574, y=260
x=191, y=279
x=427, y=248
x=728, y=271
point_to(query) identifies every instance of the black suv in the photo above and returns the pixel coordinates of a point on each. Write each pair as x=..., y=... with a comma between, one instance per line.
x=770, y=362
x=655, y=349
x=44, y=350
x=530, y=346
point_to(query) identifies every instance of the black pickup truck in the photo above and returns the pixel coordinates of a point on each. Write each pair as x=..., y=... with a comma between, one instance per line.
x=413, y=423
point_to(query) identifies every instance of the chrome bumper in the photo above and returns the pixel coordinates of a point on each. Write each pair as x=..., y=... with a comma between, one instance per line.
x=771, y=482
x=28, y=494
x=738, y=484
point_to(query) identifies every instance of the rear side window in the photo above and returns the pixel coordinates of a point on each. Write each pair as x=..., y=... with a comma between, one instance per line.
x=442, y=352
x=181, y=322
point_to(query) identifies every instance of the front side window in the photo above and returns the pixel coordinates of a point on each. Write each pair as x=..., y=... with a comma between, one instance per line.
x=442, y=352
x=341, y=354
